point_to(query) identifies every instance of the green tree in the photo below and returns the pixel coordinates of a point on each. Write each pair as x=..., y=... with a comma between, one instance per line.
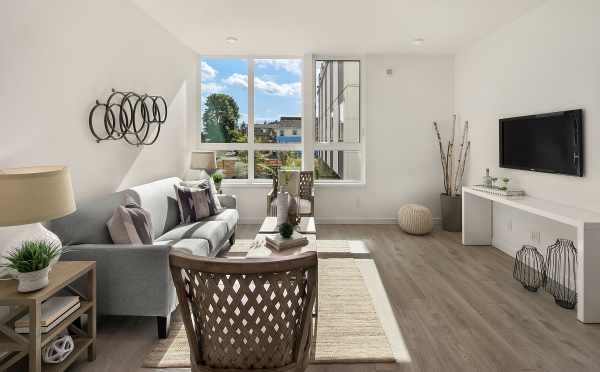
x=220, y=119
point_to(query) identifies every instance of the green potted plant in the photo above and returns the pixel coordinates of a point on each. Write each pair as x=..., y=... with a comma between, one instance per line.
x=286, y=230
x=217, y=178
x=32, y=262
x=505, y=181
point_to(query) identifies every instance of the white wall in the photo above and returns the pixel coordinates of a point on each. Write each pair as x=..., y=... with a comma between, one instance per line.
x=57, y=58
x=547, y=60
x=402, y=159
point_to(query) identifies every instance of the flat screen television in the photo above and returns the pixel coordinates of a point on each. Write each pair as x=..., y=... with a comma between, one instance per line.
x=551, y=143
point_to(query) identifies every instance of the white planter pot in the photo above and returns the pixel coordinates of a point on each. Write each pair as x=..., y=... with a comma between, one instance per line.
x=29, y=282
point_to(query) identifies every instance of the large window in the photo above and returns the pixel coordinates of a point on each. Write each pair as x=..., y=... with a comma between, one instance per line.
x=251, y=116
x=251, y=113
x=337, y=129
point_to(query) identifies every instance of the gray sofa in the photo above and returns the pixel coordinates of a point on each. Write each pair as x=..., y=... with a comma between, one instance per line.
x=135, y=279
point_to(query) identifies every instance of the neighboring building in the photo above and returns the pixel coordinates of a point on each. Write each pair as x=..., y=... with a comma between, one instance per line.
x=338, y=116
x=285, y=130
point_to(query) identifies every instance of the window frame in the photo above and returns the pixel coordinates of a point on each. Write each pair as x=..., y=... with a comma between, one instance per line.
x=341, y=146
x=308, y=103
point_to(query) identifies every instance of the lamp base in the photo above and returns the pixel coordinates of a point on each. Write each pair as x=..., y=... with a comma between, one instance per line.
x=11, y=237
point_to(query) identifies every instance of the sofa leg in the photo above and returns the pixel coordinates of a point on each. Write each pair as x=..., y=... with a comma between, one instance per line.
x=163, y=324
x=232, y=239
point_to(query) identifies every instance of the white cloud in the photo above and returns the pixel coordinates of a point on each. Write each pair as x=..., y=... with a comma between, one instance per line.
x=265, y=85
x=207, y=71
x=237, y=79
x=271, y=87
x=211, y=87
x=290, y=65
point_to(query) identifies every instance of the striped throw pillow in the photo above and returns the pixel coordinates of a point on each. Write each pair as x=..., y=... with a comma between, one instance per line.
x=130, y=224
x=195, y=203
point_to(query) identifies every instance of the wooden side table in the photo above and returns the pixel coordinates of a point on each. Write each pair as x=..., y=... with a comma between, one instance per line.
x=61, y=277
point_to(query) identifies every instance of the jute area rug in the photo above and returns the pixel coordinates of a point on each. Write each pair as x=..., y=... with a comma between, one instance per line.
x=348, y=329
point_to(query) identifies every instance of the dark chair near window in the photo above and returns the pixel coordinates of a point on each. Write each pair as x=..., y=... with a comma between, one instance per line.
x=306, y=202
x=247, y=314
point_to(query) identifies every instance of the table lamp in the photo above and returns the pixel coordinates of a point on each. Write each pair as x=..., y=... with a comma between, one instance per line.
x=29, y=196
x=204, y=160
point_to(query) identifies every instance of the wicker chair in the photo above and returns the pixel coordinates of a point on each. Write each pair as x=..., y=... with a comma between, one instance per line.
x=247, y=314
x=306, y=194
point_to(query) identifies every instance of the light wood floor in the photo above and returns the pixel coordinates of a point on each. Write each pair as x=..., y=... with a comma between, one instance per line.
x=458, y=309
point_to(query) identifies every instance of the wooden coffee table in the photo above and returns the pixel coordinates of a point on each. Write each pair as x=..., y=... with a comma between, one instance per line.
x=324, y=248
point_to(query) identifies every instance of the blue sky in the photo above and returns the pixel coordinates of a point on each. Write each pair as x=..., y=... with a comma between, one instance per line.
x=277, y=85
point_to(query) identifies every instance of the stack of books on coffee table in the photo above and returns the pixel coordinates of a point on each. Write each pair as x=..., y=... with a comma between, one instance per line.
x=279, y=243
x=54, y=311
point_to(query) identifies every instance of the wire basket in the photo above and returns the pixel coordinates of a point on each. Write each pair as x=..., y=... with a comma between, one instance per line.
x=530, y=268
x=561, y=262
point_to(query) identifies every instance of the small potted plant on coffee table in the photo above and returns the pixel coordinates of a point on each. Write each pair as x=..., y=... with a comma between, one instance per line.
x=32, y=262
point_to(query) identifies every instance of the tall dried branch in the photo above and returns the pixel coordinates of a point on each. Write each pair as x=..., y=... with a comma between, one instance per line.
x=442, y=157
x=461, y=153
x=462, y=169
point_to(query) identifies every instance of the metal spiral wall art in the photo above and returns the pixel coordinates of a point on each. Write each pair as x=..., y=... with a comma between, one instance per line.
x=135, y=118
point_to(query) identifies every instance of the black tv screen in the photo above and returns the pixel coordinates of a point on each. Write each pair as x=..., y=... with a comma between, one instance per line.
x=551, y=143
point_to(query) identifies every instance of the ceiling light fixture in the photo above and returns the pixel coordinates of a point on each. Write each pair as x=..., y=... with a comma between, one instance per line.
x=418, y=41
x=231, y=40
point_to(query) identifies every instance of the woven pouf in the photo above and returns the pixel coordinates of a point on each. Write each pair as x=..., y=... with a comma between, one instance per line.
x=415, y=219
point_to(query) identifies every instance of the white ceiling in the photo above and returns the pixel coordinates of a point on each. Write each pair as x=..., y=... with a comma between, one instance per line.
x=332, y=26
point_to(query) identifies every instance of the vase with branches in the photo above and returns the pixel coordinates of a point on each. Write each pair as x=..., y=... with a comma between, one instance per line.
x=453, y=158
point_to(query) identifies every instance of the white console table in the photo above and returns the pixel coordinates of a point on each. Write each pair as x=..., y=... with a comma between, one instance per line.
x=477, y=230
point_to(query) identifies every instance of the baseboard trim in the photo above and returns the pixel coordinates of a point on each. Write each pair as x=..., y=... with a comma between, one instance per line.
x=342, y=221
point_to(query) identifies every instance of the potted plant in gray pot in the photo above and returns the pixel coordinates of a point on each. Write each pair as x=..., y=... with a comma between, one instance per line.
x=453, y=161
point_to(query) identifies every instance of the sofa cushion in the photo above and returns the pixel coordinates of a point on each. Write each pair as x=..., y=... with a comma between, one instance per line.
x=213, y=231
x=130, y=224
x=194, y=247
x=206, y=180
x=159, y=199
x=195, y=203
x=230, y=216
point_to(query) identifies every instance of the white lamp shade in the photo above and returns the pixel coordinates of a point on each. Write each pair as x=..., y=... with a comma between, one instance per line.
x=35, y=194
x=203, y=160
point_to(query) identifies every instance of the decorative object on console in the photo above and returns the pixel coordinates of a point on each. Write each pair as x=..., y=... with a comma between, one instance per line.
x=32, y=263
x=487, y=179
x=415, y=219
x=530, y=269
x=29, y=196
x=129, y=116
x=453, y=168
x=497, y=191
x=130, y=224
x=561, y=269
x=505, y=181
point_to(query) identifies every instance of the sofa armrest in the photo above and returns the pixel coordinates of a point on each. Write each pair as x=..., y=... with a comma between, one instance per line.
x=228, y=201
x=130, y=279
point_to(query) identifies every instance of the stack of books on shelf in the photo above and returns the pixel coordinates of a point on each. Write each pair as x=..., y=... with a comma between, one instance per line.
x=279, y=243
x=54, y=311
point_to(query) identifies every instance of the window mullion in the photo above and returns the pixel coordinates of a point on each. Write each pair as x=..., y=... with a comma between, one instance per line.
x=250, y=134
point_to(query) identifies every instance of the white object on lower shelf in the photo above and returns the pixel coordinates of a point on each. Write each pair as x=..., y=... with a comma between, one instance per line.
x=497, y=191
